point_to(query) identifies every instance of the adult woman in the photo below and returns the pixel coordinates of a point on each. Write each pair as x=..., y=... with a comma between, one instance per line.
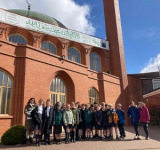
x=144, y=118
x=28, y=121
x=133, y=113
x=37, y=121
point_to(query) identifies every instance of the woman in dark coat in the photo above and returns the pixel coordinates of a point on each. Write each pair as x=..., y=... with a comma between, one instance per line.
x=28, y=121
x=37, y=121
x=134, y=114
x=47, y=120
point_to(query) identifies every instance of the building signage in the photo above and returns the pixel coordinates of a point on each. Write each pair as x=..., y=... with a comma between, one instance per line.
x=32, y=24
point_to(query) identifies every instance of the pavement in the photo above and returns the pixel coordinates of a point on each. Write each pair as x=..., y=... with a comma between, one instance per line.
x=127, y=144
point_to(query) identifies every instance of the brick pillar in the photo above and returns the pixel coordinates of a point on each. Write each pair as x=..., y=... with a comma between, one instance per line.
x=19, y=86
x=65, y=46
x=88, y=51
x=114, y=36
x=36, y=42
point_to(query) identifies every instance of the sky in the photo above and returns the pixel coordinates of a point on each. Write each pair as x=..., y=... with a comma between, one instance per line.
x=140, y=25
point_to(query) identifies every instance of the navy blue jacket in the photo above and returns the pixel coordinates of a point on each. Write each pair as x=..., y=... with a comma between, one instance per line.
x=134, y=113
x=121, y=116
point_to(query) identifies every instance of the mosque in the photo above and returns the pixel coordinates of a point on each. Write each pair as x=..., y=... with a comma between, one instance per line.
x=42, y=58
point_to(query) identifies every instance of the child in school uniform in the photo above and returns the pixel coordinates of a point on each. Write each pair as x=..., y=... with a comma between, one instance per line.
x=121, y=121
x=68, y=122
x=47, y=119
x=58, y=122
x=113, y=121
x=76, y=122
x=37, y=121
x=88, y=115
x=80, y=125
x=105, y=122
x=93, y=121
x=98, y=121
x=28, y=121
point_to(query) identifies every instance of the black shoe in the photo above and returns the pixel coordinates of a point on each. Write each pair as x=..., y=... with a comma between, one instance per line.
x=39, y=143
x=57, y=143
x=31, y=140
x=46, y=143
x=117, y=138
x=28, y=142
x=49, y=143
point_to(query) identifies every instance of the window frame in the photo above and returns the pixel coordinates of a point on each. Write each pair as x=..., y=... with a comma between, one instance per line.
x=74, y=55
x=56, y=92
x=91, y=98
x=6, y=94
x=99, y=65
x=48, y=50
x=153, y=83
x=18, y=35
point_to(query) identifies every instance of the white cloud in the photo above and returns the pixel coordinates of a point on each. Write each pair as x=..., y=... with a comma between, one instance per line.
x=72, y=15
x=152, y=65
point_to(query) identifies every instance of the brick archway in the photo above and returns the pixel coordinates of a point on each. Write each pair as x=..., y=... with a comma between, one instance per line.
x=70, y=94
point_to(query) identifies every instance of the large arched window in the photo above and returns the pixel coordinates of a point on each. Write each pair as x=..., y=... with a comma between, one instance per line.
x=58, y=91
x=74, y=55
x=49, y=47
x=5, y=92
x=16, y=38
x=93, y=95
x=95, y=62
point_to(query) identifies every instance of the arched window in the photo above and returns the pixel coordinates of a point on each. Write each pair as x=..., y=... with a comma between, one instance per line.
x=93, y=95
x=74, y=55
x=5, y=92
x=49, y=47
x=95, y=62
x=16, y=38
x=58, y=91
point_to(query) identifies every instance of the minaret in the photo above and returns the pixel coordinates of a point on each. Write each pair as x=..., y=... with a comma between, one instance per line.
x=115, y=38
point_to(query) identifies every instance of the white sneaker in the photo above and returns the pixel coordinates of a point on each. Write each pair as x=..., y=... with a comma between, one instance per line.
x=147, y=138
x=135, y=138
x=138, y=138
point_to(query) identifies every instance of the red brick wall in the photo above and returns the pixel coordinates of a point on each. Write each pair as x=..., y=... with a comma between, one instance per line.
x=135, y=89
x=152, y=98
x=5, y=124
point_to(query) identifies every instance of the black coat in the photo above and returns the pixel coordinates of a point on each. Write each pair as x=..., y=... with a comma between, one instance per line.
x=98, y=116
x=105, y=118
x=47, y=121
x=36, y=117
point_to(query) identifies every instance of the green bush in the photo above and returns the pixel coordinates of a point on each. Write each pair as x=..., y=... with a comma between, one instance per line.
x=14, y=135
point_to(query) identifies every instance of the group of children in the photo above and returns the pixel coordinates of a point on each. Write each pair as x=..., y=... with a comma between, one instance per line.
x=79, y=122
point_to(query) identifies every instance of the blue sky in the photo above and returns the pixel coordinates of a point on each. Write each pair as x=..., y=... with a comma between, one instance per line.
x=141, y=31
x=140, y=25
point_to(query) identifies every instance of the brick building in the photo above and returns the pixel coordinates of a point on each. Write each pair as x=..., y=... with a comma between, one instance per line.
x=41, y=58
x=145, y=87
